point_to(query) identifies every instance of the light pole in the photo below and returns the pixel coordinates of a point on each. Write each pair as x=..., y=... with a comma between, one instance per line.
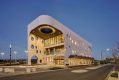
x=26, y=51
x=15, y=56
x=104, y=51
x=10, y=46
x=26, y=54
x=2, y=54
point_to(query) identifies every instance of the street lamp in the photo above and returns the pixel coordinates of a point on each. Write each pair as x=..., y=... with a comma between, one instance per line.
x=104, y=51
x=107, y=49
x=15, y=56
x=26, y=51
x=26, y=54
x=10, y=46
x=2, y=54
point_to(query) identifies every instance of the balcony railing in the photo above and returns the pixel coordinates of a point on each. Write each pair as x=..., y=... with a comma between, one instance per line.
x=55, y=53
x=54, y=41
x=54, y=45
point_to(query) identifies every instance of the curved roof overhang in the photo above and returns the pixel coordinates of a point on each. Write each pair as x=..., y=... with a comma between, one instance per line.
x=45, y=31
x=45, y=19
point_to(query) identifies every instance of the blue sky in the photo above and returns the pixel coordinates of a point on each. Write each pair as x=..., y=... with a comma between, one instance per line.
x=95, y=20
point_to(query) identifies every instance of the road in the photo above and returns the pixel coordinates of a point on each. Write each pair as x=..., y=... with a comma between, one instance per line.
x=96, y=74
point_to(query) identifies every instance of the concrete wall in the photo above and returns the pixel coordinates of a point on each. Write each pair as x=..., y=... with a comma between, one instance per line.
x=38, y=49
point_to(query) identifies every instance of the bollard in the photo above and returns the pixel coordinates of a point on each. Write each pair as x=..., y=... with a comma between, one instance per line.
x=1, y=69
x=28, y=70
x=10, y=70
x=33, y=69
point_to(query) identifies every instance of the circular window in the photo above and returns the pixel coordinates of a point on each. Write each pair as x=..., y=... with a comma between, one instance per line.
x=36, y=51
x=32, y=38
x=36, y=47
x=36, y=37
x=32, y=46
x=46, y=30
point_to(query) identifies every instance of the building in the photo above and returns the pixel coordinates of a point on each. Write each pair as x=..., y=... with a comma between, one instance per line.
x=55, y=44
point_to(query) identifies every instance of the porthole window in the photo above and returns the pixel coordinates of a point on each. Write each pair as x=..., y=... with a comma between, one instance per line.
x=32, y=38
x=36, y=51
x=32, y=46
x=36, y=37
x=40, y=51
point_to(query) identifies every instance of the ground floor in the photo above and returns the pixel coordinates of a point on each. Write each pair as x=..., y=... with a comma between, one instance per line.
x=79, y=60
x=61, y=60
x=56, y=60
x=76, y=61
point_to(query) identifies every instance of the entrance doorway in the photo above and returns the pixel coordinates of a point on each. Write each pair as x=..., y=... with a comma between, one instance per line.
x=34, y=60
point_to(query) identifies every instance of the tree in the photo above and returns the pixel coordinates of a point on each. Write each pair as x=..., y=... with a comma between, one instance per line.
x=115, y=51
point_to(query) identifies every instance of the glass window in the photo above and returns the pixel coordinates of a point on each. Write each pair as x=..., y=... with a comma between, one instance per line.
x=32, y=46
x=36, y=51
x=32, y=38
x=73, y=51
x=40, y=51
x=72, y=41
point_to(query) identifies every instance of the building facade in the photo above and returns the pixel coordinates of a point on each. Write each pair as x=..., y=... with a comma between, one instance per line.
x=52, y=43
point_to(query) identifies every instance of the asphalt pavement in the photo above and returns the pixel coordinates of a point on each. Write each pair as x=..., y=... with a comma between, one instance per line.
x=92, y=74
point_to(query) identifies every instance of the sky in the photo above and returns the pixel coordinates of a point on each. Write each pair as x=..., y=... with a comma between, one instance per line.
x=95, y=20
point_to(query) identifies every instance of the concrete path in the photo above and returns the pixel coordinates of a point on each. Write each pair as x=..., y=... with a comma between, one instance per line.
x=41, y=68
x=87, y=69
x=95, y=74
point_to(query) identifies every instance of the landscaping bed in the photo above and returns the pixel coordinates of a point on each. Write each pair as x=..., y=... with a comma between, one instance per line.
x=114, y=74
x=55, y=68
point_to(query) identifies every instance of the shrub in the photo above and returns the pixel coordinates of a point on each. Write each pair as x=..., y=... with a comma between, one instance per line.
x=55, y=68
x=114, y=74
